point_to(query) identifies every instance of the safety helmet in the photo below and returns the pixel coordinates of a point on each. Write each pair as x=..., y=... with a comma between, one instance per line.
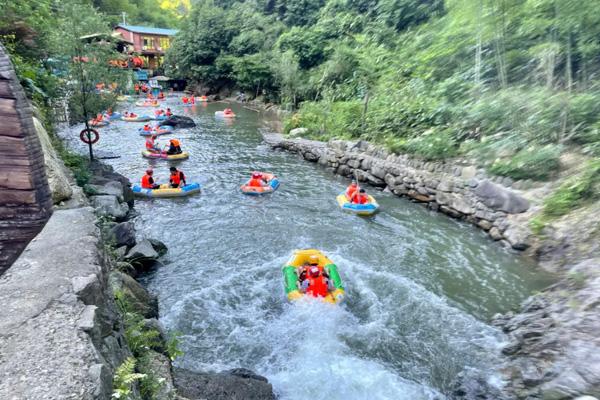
x=149, y=171
x=313, y=259
x=314, y=272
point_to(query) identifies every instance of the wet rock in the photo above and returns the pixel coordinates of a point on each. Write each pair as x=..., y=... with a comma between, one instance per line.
x=109, y=206
x=178, y=121
x=518, y=237
x=237, y=384
x=455, y=201
x=495, y=233
x=499, y=198
x=143, y=252
x=122, y=234
x=134, y=294
x=158, y=246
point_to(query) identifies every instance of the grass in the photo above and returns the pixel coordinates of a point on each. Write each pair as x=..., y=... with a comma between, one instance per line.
x=575, y=192
x=533, y=162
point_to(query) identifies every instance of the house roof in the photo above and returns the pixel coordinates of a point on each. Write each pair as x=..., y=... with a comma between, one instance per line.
x=148, y=30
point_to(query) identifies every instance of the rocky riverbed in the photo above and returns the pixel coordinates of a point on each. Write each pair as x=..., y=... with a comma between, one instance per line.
x=553, y=347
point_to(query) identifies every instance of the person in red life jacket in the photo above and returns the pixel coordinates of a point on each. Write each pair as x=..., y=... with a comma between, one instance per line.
x=132, y=115
x=360, y=197
x=136, y=88
x=148, y=180
x=184, y=99
x=158, y=113
x=147, y=128
x=161, y=95
x=151, y=144
x=174, y=147
x=168, y=113
x=256, y=180
x=177, y=178
x=352, y=189
x=316, y=283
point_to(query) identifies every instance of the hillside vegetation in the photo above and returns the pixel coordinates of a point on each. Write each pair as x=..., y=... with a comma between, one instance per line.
x=511, y=83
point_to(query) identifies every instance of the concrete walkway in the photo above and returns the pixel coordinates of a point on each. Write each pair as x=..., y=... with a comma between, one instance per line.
x=46, y=351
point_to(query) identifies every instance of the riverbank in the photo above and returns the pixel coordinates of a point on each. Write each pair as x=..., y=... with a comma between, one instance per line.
x=552, y=335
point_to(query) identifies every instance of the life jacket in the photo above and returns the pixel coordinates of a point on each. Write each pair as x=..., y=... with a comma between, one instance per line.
x=360, y=198
x=147, y=128
x=185, y=100
x=255, y=182
x=351, y=191
x=317, y=287
x=174, y=142
x=132, y=115
x=150, y=144
x=177, y=178
x=161, y=95
x=169, y=113
x=147, y=181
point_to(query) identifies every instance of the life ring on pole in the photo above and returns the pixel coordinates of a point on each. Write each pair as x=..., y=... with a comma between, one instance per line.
x=89, y=136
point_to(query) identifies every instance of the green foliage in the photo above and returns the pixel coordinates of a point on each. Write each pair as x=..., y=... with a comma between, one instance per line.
x=78, y=164
x=433, y=145
x=125, y=378
x=174, y=346
x=150, y=384
x=574, y=192
x=532, y=162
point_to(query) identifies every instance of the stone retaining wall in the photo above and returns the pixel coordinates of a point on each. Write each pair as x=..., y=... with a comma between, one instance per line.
x=461, y=191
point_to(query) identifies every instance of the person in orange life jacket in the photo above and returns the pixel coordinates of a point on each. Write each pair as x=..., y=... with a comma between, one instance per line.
x=316, y=282
x=352, y=189
x=148, y=181
x=147, y=128
x=168, y=113
x=313, y=260
x=257, y=180
x=174, y=147
x=177, y=178
x=151, y=145
x=161, y=95
x=360, y=197
x=184, y=99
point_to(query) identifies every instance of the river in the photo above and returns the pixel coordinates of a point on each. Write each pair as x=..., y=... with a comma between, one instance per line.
x=420, y=286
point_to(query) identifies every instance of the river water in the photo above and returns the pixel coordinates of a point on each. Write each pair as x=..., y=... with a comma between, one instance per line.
x=420, y=286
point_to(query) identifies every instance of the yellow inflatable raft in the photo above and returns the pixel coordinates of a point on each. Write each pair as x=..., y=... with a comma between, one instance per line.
x=291, y=274
x=359, y=209
x=164, y=156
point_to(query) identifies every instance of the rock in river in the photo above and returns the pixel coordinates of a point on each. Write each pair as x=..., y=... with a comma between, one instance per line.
x=236, y=384
x=178, y=121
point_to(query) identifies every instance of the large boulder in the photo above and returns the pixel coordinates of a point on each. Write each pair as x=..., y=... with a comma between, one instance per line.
x=56, y=172
x=236, y=384
x=122, y=234
x=113, y=188
x=109, y=206
x=178, y=121
x=498, y=198
x=143, y=252
x=134, y=296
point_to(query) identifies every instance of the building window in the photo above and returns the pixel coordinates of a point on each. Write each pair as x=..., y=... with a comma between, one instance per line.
x=147, y=42
x=164, y=43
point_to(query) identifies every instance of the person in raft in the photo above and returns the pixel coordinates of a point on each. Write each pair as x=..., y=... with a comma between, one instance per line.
x=360, y=197
x=161, y=95
x=148, y=181
x=174, y=147
x=168, y=113
x=151, y=145
x=352, y=189
x=177, y=178
x=147, y=128
x=314, y=280
x=256, y=180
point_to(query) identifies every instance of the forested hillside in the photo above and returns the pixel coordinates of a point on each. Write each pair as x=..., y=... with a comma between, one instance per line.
x=513, y=83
